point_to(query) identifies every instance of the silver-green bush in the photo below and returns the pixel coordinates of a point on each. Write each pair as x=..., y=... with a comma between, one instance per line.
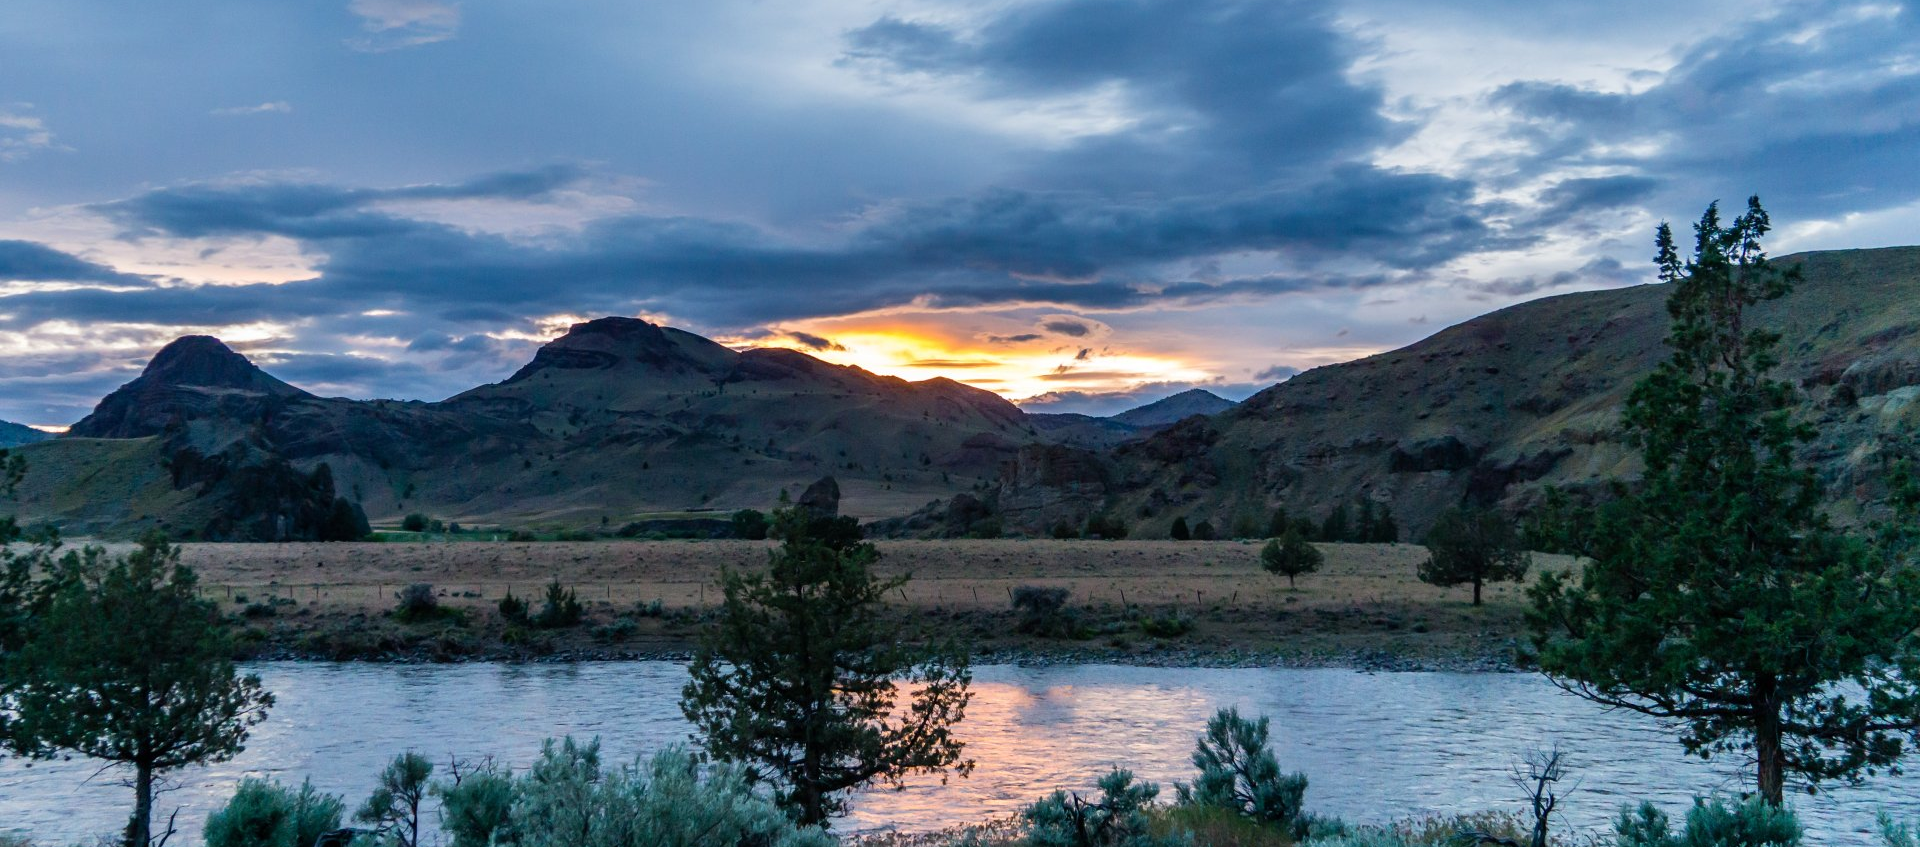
x=262, y=813
x=567, y=800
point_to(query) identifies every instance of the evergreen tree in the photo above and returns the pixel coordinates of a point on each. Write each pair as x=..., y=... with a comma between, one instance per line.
x=1363, y=526
x=1715, y=592
x=1279, y=523
x=128, y=665
x=1179, y=532
x=1290, y=556
x=802, y=681
x=394, y=806
x=1385, y=529
x=1476, y=546
x=1335, y=528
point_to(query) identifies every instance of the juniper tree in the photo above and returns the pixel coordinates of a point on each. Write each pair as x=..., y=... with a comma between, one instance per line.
x=122, y=661
x=1290, y=555
x=1474, y=546
x=1716, y=593
x=800, y=680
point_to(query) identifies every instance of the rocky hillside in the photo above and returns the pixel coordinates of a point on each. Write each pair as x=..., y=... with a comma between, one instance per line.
x=1496, y=408
x=14, y=435
x=616, y=420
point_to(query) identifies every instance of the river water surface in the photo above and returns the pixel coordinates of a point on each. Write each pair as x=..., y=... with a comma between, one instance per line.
x=1374, y=746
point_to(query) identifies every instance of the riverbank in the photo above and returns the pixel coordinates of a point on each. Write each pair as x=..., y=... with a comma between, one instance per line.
x=1156, y=603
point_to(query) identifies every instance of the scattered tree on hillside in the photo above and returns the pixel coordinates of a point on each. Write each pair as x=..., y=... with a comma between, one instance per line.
x=1203, y=531
x=1469, y=545
x=801, y=680
x=1337, y=525
x=128, y=665
x=1290, y=555
x=1716, y=593
x=1279, y=523
x=1180, y=532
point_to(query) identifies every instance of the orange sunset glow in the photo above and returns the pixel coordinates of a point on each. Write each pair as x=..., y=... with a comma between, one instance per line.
x=1018, y=363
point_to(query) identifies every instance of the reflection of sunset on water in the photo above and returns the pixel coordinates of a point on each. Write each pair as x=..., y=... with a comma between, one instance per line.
x=1367, y=742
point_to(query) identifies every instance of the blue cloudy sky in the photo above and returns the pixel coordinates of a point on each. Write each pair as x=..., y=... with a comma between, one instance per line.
x=1083, y=203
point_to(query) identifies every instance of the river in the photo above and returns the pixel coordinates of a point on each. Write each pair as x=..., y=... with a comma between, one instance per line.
x=1374, y=746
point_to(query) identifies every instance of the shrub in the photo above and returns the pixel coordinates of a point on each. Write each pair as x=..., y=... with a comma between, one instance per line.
x=750, y=524
x=1170, y=625
x=617, y=630
x=1118, y=819
x=561, y=609
x=266, y=814
x=1892, y=833
x=415, y=522
x=417, y=603
x=566, y=800
x=522, y=536
x=513, y=609
x=1043, y=611
x=654, y=609
x=1711, y=823
x=1203, y=825
x=475, y=805
x=1106, y=526
x=1239, y=773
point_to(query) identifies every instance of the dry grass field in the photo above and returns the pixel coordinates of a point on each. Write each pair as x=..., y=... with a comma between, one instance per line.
x=1365, y=606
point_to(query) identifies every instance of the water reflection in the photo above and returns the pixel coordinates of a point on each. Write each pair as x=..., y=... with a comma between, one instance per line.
x=1373, y=745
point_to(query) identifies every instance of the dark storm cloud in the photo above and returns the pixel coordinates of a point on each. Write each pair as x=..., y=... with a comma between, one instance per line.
x=1817, y=110
x=1221, y=90
x=27, y=261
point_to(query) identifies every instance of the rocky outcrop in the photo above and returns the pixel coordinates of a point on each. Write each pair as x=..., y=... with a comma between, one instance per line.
x=195, y=377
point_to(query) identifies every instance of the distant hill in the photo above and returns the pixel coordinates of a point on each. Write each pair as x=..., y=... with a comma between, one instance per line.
x=1494, y=409
x=620, y=420
x=1139, y=422
x=615, y=420
x=14, y=435
x=1172, y=410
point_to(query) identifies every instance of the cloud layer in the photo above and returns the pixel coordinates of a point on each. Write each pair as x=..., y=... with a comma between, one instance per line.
x=1241, y=189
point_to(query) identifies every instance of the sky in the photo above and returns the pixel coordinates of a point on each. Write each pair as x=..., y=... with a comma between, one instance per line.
x=1080, y=204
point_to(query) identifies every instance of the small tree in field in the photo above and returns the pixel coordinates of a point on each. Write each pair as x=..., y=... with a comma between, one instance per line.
x=1290, y=555
x=800, y=680
x=1716, y=593
x=128, y=665
x=1477, y=546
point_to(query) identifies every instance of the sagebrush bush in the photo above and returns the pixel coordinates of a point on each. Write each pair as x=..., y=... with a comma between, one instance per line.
x=262, y=813
x=1239, y=773
x=1043, y=611
x=417, y=602
x=1892, y=832
x=475, y=805
x=1711, y=823
x=566, y=800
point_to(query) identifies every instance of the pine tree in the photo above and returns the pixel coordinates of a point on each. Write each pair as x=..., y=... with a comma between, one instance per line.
x=1336, y=526
x=1180, y=532
x=1716, y=593
x=1473, y=546
x=1290, y=556
x=802, y=681
x=128, y=665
